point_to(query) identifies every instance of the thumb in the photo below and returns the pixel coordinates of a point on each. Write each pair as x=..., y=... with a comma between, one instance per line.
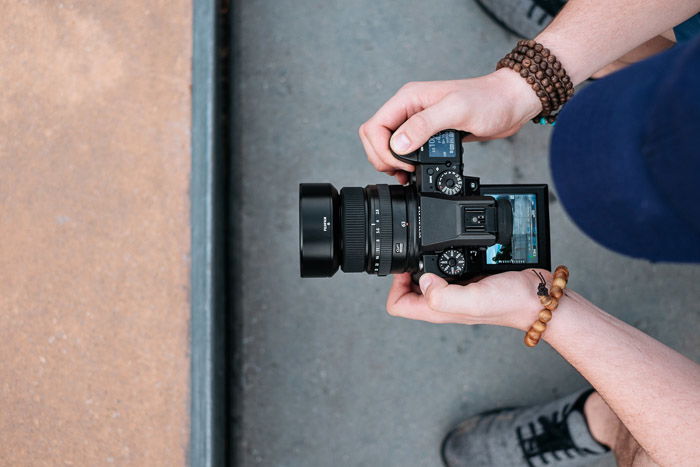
x=433, y=288
x=421, y=126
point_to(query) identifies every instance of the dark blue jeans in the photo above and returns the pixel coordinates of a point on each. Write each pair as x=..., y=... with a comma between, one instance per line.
x=625, y=157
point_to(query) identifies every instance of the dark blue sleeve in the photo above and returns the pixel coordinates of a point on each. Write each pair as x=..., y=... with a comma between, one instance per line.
x=625, y=157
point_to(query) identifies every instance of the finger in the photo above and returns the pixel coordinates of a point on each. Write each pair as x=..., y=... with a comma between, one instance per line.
x=440, y=296
x=378, y=137
x=447, y=113
x=409, y=100
x=405, y=303
x=372, y=156
x=402, y=177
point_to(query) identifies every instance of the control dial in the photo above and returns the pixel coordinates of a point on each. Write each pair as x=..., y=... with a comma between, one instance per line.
x=449, y=182
x=452, y=262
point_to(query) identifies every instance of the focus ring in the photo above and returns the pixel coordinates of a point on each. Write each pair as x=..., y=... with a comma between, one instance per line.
x=354, y=228
x=385, y=230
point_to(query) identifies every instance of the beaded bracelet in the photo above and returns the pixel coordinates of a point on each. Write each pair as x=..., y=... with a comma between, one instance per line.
x=550, y=301
x=544, y=73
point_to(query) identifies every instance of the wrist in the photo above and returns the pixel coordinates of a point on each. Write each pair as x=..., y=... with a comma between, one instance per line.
x=571, y=314
x=526, y=315
x=563, y=53
x=525, y=102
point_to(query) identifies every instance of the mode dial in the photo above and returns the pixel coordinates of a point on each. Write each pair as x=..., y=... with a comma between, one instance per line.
x=452, y=262
x=449, y=182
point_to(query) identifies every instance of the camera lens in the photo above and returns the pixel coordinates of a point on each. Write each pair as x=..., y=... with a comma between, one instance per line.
x=362, y=229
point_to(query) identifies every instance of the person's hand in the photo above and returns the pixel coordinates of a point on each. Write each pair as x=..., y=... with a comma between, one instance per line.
x=506, y=299
x=491, y=106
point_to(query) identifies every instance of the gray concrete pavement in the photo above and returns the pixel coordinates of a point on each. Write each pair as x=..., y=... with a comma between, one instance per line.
x=329, y=379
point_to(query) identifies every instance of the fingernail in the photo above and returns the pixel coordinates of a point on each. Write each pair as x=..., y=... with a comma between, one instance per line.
x=400, y=143
x=424, y=282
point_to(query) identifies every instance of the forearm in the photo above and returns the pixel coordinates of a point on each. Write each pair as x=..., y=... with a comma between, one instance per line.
x=589, y=34
x=654, y=390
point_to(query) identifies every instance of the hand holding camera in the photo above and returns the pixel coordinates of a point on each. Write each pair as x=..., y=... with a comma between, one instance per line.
x=480, y=302
x=491, y=106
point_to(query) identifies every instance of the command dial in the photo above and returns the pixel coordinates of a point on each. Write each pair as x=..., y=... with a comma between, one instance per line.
x=449, y=182
x=452, y=262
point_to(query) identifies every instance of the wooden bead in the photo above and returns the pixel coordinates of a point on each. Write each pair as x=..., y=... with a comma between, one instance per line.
x=545, y=315
x=539, y=75
x=559, y=282
x=532, y=334
x=530, y=342
x=551, y=306
x=563, y=269
x=526, y=62
x=545, y=300
x=531, y=43
x=539, y=326
x=556, y=292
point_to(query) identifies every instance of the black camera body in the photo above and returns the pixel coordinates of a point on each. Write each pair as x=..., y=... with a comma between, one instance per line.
x=442, y=222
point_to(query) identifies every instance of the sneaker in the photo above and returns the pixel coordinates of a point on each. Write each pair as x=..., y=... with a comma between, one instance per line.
x=554, y=434
x=523, y=18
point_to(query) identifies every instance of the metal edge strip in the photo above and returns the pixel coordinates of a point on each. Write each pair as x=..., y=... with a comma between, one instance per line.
x=209, y=398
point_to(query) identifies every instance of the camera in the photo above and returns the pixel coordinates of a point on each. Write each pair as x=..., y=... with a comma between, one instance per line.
x=441, y=222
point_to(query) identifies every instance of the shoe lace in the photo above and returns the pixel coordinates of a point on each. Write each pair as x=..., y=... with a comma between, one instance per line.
x=553, y=437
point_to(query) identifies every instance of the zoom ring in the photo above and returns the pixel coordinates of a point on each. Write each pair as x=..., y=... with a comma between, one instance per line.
x=354, y=228
x=385, y=230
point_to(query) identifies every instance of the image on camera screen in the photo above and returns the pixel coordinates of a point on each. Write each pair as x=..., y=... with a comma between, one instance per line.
x=523, y=246
x=443, y=145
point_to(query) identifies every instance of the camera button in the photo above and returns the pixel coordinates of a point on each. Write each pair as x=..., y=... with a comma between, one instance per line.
x=430, y=171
